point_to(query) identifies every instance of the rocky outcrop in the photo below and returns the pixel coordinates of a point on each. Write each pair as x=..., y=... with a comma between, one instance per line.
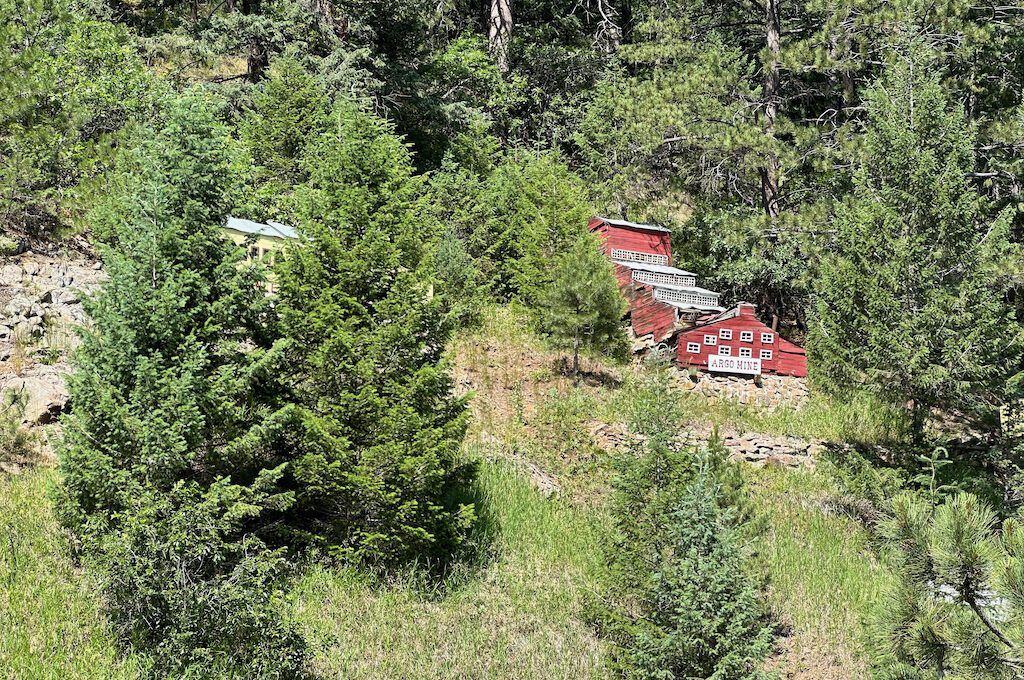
x=40, y=310
x=765, y=391
x=40, y=305
x=755, y=448
x=43, y=392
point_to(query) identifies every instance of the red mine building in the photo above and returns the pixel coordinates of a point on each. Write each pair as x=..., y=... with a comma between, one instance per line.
x=660, y=296
x=736, y=342
x=666, y=304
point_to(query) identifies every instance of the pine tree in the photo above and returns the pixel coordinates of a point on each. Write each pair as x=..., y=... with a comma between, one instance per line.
x=172, y=462
x=583, y=307
x=907, y=304
x=955, y=606
x=381, y=431
x=680, y=602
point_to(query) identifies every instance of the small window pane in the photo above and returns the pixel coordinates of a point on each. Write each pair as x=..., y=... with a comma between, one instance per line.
x=766, y=354
x=744, y=351
x=767, y=338
x=725, y=334
x=725, y=351
x=692, y=347
x=747, y=336
x=710, y=339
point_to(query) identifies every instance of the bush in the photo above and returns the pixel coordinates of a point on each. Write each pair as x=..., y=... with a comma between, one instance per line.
x=683, y=605
x=191, y=589
x=18, y=444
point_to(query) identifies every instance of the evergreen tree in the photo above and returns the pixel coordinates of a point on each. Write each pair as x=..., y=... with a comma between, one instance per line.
x=67, y=87
x=681, y=603
x=172, y=461
x=583, y=307
x=955, y=607
x=907, y=303
x=381, y=431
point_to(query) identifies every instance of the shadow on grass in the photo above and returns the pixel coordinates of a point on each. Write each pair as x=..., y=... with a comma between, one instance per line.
x=592, y=377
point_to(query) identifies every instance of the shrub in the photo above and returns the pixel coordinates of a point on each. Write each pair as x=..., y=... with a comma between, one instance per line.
x=683, y=605
x=192, y=589
x=17, y=443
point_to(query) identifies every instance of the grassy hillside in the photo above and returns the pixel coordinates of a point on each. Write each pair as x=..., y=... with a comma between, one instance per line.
x=823, y=579
x=517, y=616
x=52, y=625
x=517, y=609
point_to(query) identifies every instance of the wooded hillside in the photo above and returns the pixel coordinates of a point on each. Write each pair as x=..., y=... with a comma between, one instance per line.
x=405, y=406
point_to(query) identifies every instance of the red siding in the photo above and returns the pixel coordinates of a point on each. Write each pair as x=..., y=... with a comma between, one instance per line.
x=787, y=358
x=647, y=315
x=631, y=238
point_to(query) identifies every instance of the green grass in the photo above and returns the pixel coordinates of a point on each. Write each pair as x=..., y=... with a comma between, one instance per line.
x=519, y=616
x=861, y=418
x=824, y=580
x=50, y=621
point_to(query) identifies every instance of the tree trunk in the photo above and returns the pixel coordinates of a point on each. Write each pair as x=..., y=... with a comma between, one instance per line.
x=627, y=20
x=770, y=171
x=500, y=32
x=257, y=59
x=576, y=357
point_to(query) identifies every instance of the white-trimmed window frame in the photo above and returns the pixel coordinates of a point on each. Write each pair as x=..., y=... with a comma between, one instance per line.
x=710, y=339
x=725, y=334
x=693, y=347
x=767, y=338
x=746, y=336
x=724, y=350
x=766, y=355
x=745, y=353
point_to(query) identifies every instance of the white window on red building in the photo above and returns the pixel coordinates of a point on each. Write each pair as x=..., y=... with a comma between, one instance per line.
x=725, y=351
x=766, y=354
x=710, y=339
x=767, y=338
x=745, y=352
x=693, y=347
x=725, y=334
x=746, y=336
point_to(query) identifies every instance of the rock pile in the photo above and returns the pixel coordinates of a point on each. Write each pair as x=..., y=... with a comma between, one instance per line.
x=753, y=447
x=761, y=449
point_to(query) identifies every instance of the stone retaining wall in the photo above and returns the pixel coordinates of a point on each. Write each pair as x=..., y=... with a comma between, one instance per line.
x=754, y=447
x=765, y=391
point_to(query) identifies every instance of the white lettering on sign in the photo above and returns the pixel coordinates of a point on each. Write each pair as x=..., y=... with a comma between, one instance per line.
x=721, y=363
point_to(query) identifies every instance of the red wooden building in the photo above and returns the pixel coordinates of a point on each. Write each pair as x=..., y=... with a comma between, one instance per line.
x=660, y=296
x=736, y=342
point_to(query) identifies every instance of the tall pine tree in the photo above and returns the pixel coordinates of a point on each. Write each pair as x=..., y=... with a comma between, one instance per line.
x=907, y=305
x=381, y=435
